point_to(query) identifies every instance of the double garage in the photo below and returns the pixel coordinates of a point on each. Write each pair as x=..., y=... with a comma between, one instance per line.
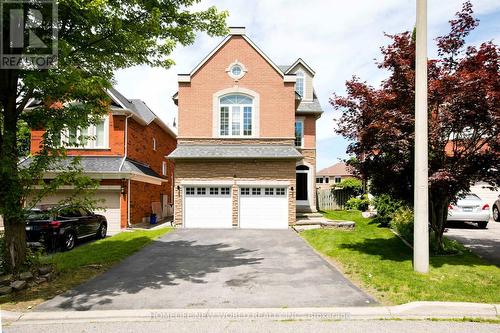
x=245, y=206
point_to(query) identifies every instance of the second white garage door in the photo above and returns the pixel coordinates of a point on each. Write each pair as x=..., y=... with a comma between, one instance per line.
x=263, y=208
x=207, y=207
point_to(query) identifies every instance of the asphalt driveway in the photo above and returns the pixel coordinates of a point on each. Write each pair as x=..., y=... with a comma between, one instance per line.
x=483, y=242
x=217, y=269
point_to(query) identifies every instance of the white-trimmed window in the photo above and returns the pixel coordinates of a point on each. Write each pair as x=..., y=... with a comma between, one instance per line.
x=319, y=180
x=164, y=168
x=245, y=191
x=338, y=180
x=154, y=143
x=236, y=115
x=300, y=83
x=96, y=136
x=299, y=133
x=280, y=191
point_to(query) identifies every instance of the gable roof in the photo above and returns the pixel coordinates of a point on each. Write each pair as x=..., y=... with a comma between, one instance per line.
x=237, y=31
x=338, y=169
x=298, y=61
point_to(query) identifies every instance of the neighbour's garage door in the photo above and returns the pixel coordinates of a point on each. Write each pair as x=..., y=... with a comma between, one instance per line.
x=207, y=207
x=263, y=207
x=109, y=200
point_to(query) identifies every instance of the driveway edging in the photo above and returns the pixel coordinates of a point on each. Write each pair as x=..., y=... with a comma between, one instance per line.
x=413, y=310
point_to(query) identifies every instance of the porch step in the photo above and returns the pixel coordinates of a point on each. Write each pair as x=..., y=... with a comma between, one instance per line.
x=308, y=215
x=304, y=209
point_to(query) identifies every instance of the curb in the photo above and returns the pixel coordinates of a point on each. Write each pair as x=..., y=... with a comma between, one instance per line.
x=414, y=310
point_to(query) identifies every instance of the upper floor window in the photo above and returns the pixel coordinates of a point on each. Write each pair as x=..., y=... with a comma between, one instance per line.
x=300, y=83
x=164, y=168
x=236, y=115
x=299, y=133
x=154, y=143
x=93, y=137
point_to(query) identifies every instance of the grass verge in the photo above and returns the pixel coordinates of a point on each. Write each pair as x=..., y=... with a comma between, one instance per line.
x=81, y=264
x=379, y=262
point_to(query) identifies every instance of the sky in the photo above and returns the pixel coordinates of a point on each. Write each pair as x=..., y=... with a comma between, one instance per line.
x=337, y=38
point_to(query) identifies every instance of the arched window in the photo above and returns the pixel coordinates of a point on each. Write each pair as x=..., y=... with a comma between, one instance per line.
x=299, y=83
x=235, y=117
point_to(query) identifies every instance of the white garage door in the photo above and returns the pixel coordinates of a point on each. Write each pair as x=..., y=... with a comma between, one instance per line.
x=263, y=208
x=111, y=204
x=207, y=207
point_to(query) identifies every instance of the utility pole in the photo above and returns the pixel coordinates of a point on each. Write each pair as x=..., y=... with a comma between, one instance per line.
x=421, y=185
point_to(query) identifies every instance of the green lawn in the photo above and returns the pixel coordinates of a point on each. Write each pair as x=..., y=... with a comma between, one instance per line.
x=379, y=262
x=81, y=264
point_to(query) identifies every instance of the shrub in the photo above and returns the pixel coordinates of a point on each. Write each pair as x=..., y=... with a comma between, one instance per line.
x=402, y=223
x=361, y=203
x=351, y=185
x=386, y=206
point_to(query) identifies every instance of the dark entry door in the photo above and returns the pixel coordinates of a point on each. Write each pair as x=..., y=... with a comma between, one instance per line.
x=302, y=186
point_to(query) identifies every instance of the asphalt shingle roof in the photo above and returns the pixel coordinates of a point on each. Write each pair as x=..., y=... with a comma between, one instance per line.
x=235, y=151
x=310, y=107
x=100, y=164
x=338, y=169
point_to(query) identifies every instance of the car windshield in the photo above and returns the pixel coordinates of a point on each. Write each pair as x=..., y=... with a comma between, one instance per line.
x=471, y=196
x=39, y=215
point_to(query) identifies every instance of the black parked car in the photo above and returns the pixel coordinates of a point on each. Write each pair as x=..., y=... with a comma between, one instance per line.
x=64, y=226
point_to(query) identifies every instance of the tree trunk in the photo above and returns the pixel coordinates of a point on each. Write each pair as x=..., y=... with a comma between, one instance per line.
x=11, y=190
x=438, y=206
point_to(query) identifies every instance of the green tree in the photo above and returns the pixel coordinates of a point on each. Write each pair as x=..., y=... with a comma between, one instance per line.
x=95, y=38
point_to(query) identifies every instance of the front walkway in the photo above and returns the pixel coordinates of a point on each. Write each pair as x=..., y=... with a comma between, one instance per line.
x=217, y=269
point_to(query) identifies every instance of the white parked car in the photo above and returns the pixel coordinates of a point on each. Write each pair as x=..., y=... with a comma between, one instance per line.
x=470, y=209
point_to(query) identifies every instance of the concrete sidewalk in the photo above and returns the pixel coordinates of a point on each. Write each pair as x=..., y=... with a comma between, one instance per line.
x=414, y=310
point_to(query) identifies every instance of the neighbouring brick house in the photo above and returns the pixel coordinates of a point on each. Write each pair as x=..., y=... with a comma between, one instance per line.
x=334, y=174
x=246, y=150
x=127, y=153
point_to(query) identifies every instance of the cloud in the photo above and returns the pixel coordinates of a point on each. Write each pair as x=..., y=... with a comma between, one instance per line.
x=336, y=38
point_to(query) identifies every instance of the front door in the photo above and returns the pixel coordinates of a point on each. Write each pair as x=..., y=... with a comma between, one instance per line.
x=302, y=175
x=301, y=186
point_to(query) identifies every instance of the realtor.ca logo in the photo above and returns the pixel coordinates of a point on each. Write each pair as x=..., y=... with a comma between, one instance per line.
x=28, y=33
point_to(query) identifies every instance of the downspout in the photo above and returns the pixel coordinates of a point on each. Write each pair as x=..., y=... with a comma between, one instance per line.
x=121, y=167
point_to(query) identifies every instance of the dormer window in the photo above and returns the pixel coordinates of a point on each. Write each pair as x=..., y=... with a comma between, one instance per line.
x=300, y=83
x=235, y=117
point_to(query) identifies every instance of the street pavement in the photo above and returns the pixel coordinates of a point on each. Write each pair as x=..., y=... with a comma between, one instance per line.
x=261, y=326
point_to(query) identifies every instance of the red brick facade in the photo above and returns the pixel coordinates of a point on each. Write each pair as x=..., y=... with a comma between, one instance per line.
x=274, y=114
x=140, y=149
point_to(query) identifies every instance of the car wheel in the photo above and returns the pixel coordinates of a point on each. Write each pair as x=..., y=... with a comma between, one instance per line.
x=482, y=224
x=101, y=232
x=69, y=241
x=496, y=214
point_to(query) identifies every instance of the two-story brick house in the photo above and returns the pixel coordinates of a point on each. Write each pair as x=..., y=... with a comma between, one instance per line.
x=127, y=153
x=246, y=150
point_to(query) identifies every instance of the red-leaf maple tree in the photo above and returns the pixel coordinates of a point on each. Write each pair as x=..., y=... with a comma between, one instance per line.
x=464, y=119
